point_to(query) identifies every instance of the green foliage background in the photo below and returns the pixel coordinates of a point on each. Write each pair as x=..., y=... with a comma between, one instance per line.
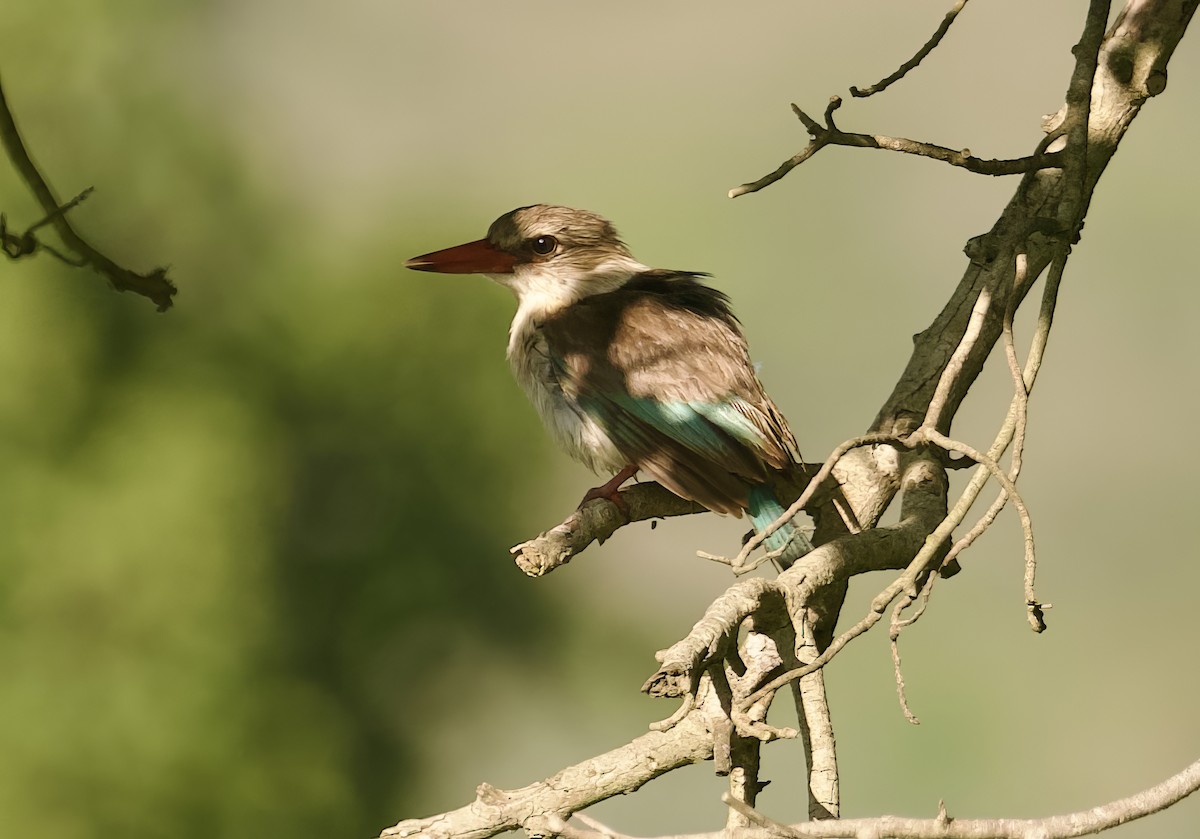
x=253, y=567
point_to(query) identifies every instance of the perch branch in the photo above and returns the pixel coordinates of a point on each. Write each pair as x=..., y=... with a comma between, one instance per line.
x=741, y=562
x=595, y=521
x=894, y=639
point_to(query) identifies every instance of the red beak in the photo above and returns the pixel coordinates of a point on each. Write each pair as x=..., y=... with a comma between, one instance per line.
x=481, y=257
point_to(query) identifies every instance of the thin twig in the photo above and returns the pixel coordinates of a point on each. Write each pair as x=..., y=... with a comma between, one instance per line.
x=1078, y=116
x=922, y=601
x=898, y=626
x=872, y=617
x=831, y=135
x=60, y=211
x=912, y=63
x=685, y=708
x=921, y=562
x=871, y=439
x=594, y=824
x=755, y=817
x=1033, y=364
x=1033, y=607
x=894, y=638
x=814, y=146
x=1018, y=411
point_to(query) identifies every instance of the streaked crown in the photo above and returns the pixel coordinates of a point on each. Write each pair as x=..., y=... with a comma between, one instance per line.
x=545, y=232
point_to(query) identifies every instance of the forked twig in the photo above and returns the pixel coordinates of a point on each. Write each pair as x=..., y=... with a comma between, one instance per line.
x=153, y=285
x=912, y=63
x=830, y=135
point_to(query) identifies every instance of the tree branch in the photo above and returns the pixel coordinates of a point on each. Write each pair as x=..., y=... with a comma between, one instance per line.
x=153, y=285
x=622, y=770
x=848, y=495
x=830, y=135
x=1081, y=823
x=912, y=63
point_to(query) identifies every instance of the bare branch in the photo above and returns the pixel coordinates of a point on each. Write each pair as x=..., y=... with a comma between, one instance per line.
x=153, y=285
x=1012, y=431
x=814, y=146
x=595, y=521
x=621, y=770
x=900, y=455
x=1013, y=428
x=923, y=505
x=741, y=561
x=1082, y=823
x=894, y=638
x=912, y=63
x=830, y=135
x=712, y=637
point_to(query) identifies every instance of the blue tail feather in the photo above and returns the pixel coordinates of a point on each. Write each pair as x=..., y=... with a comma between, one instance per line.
x=763, y=510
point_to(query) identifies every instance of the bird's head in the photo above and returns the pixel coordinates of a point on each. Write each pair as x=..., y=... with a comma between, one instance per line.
x=549, y=256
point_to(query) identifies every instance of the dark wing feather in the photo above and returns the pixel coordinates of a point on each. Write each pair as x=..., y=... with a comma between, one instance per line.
x=662, y=366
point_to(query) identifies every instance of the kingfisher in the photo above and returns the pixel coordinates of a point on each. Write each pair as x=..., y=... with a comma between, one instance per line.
x=632, y=368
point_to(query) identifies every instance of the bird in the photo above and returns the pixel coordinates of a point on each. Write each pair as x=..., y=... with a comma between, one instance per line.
x=632, y=368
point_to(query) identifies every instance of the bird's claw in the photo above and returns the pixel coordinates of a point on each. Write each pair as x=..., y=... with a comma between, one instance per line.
x=611, y=491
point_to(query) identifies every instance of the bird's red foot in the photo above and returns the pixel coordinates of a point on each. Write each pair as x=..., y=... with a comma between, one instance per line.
x=611, y=491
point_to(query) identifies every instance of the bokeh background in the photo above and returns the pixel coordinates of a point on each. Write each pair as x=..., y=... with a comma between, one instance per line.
x=254, y=577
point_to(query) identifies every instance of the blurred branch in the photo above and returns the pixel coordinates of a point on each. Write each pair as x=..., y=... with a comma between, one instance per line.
x=596, y=520
x=153, y=285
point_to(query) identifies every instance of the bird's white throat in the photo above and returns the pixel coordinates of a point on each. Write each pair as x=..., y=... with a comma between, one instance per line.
x=541, y=292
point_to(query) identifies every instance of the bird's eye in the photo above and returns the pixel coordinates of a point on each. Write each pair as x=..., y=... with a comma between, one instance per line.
x=544, y=245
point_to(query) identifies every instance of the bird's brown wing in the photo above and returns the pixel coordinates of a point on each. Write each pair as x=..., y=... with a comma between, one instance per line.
x=662, y=366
